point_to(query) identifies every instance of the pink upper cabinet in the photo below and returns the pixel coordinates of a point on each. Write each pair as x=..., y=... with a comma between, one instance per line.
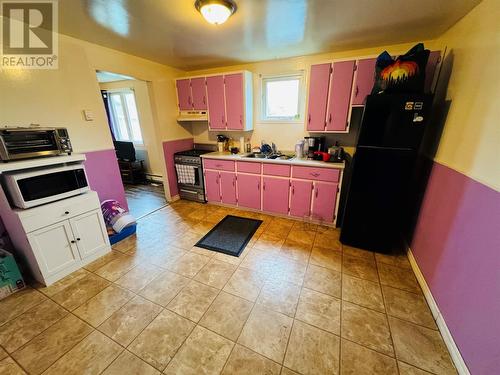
x=300, y=199
x=340, y=95
x=215, y=96
x=275, y=195
x=198, y=89
x=365, y=77
x=184, y=94
x=249, y=191
x=324, y=199
x=234, y=101
x=430, y=70
x=318, y=95
x=212, y=186
x=228, y=187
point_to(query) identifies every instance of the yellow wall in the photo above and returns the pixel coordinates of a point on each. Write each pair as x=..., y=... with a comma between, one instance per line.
x=470, y=142
x=154, y=158
x=285, y=135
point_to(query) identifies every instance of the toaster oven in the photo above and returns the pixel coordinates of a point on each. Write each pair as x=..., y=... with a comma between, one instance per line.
x=25, y=143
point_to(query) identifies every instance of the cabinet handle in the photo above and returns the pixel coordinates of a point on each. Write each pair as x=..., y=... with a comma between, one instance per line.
x=316, y=193
x=233, y=182
x=330, y=117
x=204, y=100
x=241, y=119
x=78, y=238
x=264, y=186
x=309, y=118
x=315, y=174
x=356, y=91
x=258, y=185
x=66, y=212
x=73, y=241
x=223, y=119
x=293, y=190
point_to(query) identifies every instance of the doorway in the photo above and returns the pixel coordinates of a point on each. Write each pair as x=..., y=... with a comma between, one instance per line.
x=131, y=125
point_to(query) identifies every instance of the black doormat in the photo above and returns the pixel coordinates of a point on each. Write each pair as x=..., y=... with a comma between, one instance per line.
x=230, y=235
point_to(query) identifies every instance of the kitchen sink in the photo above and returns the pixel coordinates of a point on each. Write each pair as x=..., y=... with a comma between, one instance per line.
x=268, y=156
x=256, y=156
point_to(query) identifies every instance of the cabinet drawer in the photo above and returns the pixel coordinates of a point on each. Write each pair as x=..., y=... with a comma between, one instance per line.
x=248, y=167
x=319, y=174
x=276, y=170
x=42, y=216
x=221, y=165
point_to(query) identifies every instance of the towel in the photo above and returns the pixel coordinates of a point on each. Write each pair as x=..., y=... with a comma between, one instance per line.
x=185, y=174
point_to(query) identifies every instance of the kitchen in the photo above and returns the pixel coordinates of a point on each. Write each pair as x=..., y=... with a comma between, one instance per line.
x=284, y=168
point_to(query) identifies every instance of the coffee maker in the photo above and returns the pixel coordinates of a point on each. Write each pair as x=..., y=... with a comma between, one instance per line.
x=313, y=144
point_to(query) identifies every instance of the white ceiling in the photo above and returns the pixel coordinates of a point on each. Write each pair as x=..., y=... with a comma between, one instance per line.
x=172, y=32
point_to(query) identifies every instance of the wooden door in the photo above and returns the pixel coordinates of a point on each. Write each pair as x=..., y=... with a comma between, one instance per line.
x=234, y=100
x=215, y=96
x=249, y=191
x=212, y=190
x=324, y=199
x=198, y=90
x=228, y=187
x=184, y=94
x=54, y=248
x=318, y=95
x=300, y=198
x=90, y=233
x=340, y=95
x=365, y=77
x=275, y=195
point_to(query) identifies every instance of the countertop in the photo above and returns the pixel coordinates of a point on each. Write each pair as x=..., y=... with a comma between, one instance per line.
x=293, y=161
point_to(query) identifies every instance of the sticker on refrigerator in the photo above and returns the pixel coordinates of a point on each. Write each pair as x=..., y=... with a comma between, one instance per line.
x=418, y=106
x=417, y=117
x=409, y=106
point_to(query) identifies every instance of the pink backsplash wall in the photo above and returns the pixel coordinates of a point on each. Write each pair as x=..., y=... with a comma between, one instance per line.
x=104, y=175
x=169, y=148
x=457, y=247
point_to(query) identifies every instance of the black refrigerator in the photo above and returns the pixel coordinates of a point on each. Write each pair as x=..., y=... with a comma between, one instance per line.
x=377, y=207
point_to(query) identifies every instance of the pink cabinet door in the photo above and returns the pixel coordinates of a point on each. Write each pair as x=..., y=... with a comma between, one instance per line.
x=275, y=195
x=198, y=89
x=340, y=95
x=228, y=187
x=430, y=69
x=249, y=191
x=234, y=101
x=318, y=95
x=324, y=198
x=184, y=94
x=365, y=77
x=215, y=96
x=212, y=190
x=300, y=199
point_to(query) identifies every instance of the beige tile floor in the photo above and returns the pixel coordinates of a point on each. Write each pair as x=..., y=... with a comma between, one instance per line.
x=295, y=302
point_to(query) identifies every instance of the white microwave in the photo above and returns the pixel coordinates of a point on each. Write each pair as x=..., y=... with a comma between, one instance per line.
x=30, y=188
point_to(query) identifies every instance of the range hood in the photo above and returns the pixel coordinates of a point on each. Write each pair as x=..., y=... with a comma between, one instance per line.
x=194, y=115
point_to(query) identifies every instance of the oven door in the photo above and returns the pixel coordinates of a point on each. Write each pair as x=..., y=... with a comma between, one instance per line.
x=33, y=188
x=22, y=144
x=191, y=191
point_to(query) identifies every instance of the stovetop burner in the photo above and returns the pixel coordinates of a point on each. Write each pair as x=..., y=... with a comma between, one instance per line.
x=192, y=152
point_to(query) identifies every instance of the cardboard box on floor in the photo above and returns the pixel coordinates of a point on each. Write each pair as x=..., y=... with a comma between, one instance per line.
x=11, y=280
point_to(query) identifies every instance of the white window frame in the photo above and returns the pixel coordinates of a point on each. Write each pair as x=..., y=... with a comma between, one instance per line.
x=281, y=77
x=127, y=116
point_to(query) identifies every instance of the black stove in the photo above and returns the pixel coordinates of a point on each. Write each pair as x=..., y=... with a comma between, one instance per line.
x=192, y=152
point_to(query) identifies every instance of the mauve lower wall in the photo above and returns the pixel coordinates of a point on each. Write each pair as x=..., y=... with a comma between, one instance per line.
x=457, y=247
x=169, y=148
x=104, y=175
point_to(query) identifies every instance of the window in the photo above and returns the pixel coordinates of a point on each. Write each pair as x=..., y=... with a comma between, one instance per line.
x=281, y=98
x=125, y=119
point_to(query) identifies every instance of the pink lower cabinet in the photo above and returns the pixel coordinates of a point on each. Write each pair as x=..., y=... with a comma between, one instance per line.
x=324, y=199
x=300, y=198
x=249, y=191
x=212, y=189
x=228, y=187
x=275, y=195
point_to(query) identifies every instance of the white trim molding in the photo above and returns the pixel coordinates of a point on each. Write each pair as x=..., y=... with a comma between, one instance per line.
x=456, y=356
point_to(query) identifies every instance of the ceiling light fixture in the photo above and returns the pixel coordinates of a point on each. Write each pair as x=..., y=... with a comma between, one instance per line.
x=215, y=11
